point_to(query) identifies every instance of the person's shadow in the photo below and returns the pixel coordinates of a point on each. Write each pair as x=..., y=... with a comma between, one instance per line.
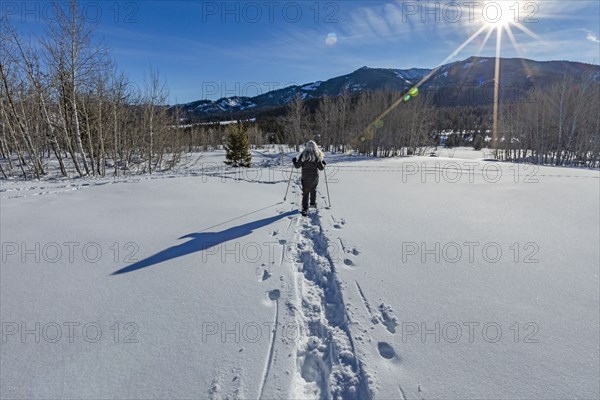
x=201, y=241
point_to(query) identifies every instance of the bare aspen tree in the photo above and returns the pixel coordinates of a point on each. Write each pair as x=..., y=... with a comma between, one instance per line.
x=118, y=94
x=16, y=93
x=325, y=121
x=32, y=67
x=74, y=59
x=153, y=102
x=296, y=121
x=342, y=120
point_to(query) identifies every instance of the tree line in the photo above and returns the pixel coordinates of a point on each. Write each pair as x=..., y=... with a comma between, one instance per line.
x=555, y=125
x=62, y=99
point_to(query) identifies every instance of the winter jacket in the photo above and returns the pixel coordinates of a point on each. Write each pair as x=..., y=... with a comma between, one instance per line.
x=310, y=169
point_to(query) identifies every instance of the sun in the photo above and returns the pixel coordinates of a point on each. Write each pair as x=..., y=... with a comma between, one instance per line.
x=499, y=14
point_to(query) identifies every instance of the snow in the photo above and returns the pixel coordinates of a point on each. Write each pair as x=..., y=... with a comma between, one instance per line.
x=203, y=107
x=312, y=86
x=225, y=104
x=232, y=102
x=402, y=75
x=412, y=73
x=353, y=292
x=229, y=122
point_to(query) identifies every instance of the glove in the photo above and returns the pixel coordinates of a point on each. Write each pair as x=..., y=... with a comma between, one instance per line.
x=324, y=163
x=294, y=160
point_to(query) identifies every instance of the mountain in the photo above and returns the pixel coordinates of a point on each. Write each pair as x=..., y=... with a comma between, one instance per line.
x=467, y=82
x=471, y=81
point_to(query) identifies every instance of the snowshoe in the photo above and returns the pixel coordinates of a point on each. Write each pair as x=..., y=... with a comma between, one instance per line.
x=304, y=213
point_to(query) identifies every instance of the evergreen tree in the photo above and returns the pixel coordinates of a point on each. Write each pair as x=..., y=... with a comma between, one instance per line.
x=238, y=147
x=453, y=140
x=478, y=142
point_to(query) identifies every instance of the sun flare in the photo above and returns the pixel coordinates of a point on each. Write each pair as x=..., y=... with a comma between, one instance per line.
x=492, y=17
x=498, y=15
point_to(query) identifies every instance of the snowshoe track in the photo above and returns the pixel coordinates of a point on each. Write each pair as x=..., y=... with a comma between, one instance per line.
x=326, y=356
x=323, y=354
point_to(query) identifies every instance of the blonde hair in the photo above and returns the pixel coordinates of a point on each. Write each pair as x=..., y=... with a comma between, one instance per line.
x=311, y=153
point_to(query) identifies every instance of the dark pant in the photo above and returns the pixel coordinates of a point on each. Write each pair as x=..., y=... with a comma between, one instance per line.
x=309, y=188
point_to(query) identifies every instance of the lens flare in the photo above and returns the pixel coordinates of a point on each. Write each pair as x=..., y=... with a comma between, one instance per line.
x=331, y=39
x=495, y=17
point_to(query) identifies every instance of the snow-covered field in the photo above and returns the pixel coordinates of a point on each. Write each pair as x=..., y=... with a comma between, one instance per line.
x=447, y=277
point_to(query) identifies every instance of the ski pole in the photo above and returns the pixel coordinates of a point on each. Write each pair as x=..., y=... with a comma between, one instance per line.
x=327, y=186
x=288, y=185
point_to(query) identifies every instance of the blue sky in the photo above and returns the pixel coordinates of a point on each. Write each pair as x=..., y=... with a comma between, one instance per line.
x=213, y=49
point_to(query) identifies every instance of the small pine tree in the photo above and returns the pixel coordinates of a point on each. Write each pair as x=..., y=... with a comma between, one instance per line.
x=452, y=141
x=238, y=147
x=478, y=142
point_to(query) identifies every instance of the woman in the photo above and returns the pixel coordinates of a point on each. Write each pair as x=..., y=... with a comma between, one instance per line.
x=311, y=161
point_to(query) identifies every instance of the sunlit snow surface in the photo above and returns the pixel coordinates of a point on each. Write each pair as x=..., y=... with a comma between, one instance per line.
x=429, y=277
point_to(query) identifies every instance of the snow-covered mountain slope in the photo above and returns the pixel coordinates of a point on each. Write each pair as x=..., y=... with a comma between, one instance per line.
x=362, y=79
x=465, y=82
x=447, y=277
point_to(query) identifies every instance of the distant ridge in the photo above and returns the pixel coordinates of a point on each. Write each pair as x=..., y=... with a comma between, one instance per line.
x=466, y=82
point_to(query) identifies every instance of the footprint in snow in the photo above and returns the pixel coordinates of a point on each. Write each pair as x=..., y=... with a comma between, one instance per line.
x=385, y=350
x=274, y=294
x=388, y=318
x=266, y=275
